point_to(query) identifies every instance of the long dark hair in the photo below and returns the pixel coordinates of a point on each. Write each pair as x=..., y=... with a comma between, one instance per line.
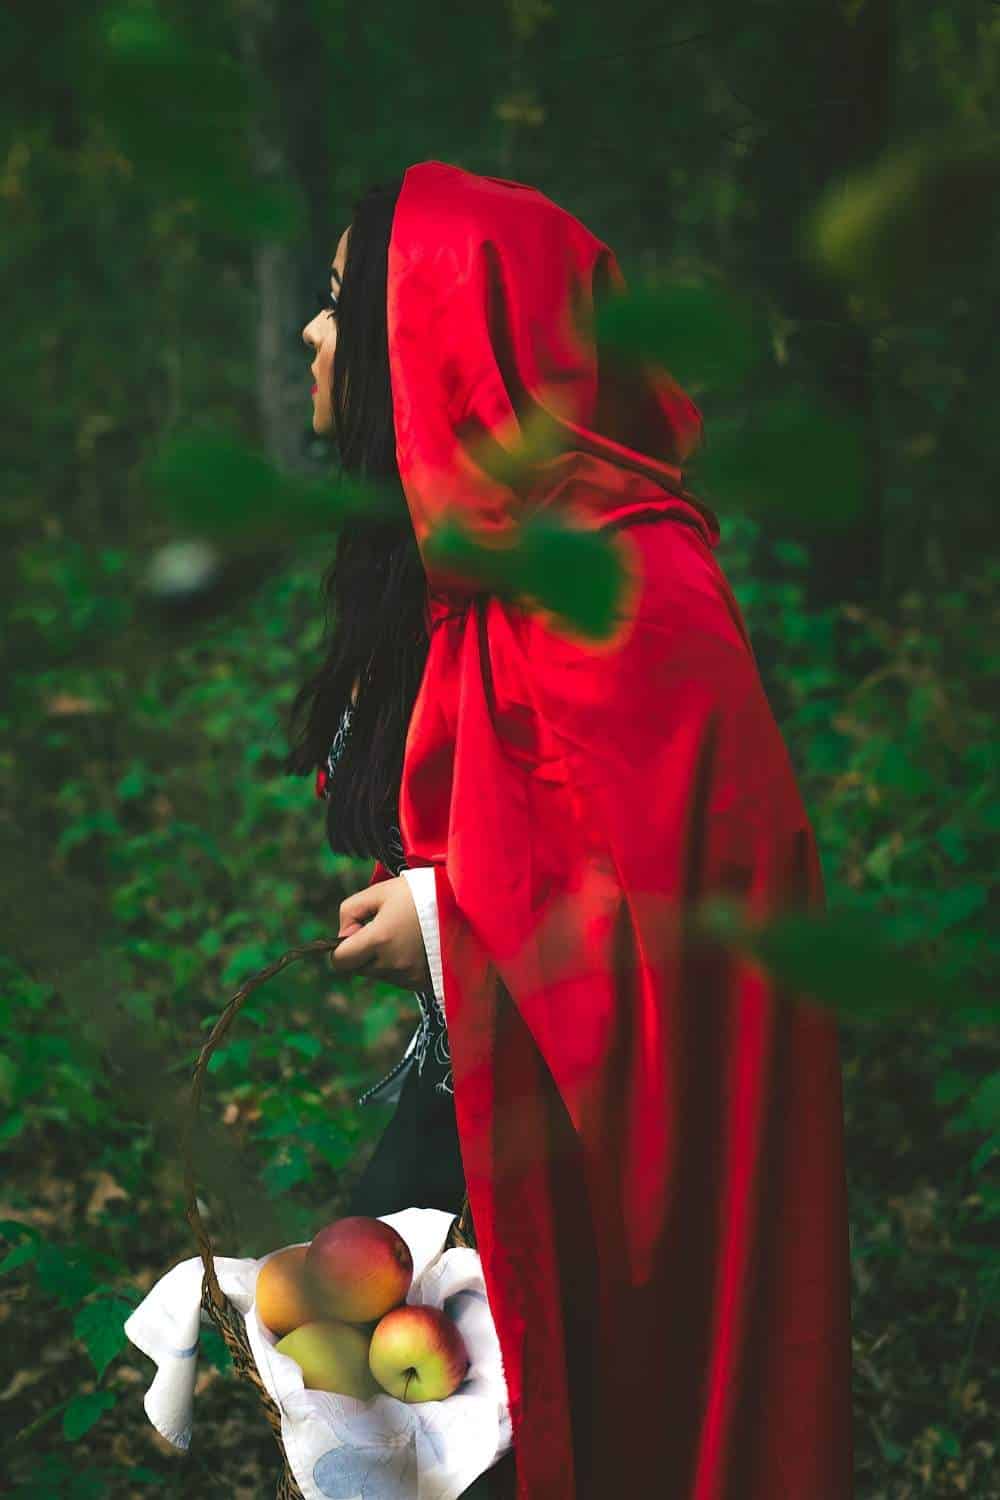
x=375, y=587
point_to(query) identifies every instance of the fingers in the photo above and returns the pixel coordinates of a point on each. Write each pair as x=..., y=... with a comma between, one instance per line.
x=354, y=953
x=359, y=908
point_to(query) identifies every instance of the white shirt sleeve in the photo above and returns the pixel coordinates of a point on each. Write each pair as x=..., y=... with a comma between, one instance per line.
x=424, y=893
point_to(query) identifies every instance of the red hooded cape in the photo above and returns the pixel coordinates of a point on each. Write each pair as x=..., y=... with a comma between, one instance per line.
x=651, y=1131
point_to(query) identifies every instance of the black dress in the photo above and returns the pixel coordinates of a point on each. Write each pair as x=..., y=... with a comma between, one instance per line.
x=417, y=1161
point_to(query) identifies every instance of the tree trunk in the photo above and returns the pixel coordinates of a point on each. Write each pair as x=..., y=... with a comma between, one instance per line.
x=282, y=48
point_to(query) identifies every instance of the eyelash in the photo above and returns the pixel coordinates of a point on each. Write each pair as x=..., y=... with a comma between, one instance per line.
x=326, y=300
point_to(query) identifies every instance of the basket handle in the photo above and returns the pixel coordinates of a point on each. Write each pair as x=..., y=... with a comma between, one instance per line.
x=215, y=1036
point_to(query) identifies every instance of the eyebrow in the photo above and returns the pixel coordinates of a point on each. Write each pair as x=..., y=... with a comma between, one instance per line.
x=335, y=272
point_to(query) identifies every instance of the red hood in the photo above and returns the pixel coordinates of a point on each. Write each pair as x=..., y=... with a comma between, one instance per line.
x=491, y=294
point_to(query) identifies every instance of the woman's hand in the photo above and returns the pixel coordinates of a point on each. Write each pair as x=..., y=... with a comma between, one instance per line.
x=380, y=936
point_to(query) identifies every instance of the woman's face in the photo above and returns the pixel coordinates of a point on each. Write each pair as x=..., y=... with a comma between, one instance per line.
x=321, y=336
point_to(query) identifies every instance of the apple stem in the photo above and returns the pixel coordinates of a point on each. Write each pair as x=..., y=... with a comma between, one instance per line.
x=409, y=1376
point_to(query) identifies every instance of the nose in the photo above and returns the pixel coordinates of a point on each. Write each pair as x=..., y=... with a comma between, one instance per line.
x=312, y=333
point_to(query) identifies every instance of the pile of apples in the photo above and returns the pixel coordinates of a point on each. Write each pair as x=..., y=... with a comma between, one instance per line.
x=337, y=1306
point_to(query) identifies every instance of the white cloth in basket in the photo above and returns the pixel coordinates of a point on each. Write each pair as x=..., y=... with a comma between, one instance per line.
x=340, y=1448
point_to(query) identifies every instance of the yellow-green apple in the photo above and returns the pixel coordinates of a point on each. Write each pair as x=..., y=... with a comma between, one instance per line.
x=282, y=1301
x=359, y=1268
x=332, y=1357
x=418, y=1354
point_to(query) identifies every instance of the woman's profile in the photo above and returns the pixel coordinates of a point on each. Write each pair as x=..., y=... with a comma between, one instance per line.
x=649, y=1130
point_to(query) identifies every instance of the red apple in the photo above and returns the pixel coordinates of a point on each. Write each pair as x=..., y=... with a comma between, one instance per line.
x=418, y=1354
x=359, y=1268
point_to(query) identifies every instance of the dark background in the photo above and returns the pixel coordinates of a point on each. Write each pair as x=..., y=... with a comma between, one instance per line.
x=805, y=196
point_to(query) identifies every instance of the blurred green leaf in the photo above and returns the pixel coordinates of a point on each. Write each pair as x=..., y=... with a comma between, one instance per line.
x=920, y=213
x=233, y=1057
x=985, y=1104
x=703, y=334
x=304, y=1042
x=577, y=574
x=13, y=1126
x=212, y=1349
x=184, y=115
x=790, y=456
x=133, y=784
x=21, y=1255
x=286, y=1170
x=846, y=961
x=378, y=1015
x=67, y=1275
x=244, y=962
x=219, y=486
x=982, y=1157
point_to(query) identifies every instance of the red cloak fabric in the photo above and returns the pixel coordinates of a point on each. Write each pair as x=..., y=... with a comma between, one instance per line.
x=651, y=1131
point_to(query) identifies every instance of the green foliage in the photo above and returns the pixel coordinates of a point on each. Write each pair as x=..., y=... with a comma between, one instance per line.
x=703, y=334
x=60, y=1476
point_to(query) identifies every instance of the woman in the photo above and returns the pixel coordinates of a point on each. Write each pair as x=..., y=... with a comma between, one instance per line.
x=649, y=1131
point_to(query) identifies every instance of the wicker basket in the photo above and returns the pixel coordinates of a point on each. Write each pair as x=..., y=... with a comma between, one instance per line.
x=220, y=1310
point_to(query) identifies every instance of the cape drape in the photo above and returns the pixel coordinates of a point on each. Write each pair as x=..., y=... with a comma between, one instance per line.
x=651, y=1129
